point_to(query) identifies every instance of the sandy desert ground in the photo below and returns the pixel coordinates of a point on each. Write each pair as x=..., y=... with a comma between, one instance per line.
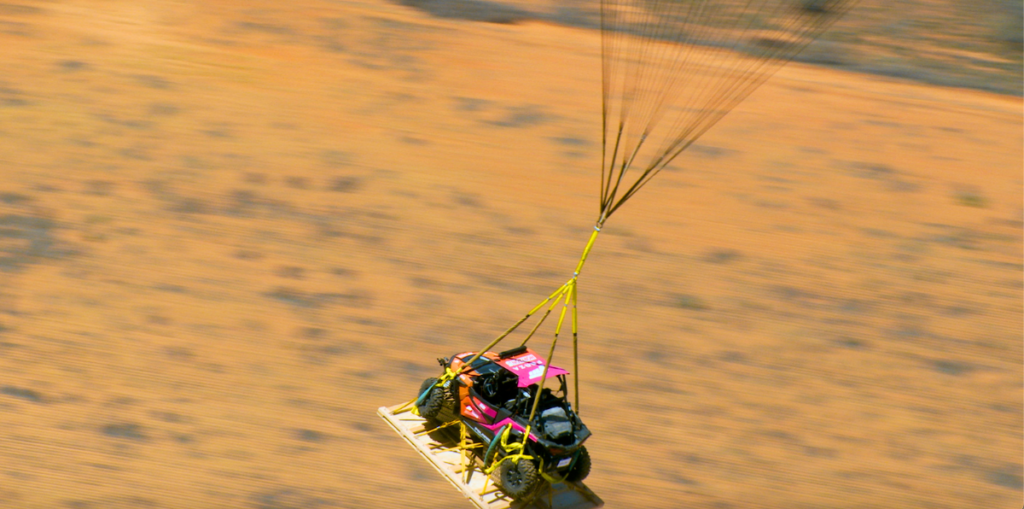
x=229, y=232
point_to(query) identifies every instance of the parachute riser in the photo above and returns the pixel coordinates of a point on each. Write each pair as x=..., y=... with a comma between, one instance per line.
x=567, y=292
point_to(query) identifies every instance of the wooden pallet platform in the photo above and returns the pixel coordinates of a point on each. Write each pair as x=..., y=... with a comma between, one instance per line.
x=440, y=448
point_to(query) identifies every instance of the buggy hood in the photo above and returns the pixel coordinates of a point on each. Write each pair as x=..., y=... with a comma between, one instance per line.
x=529, y=367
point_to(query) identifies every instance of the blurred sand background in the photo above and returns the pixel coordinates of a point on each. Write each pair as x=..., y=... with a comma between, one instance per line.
x=230, y=231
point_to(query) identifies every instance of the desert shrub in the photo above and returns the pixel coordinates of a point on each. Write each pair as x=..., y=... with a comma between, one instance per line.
x=819, y=6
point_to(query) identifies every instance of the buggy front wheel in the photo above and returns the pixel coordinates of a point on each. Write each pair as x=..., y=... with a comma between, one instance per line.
x=430, y=406
x=518, y=478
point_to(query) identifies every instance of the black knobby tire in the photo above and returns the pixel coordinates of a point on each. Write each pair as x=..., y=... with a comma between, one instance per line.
x=518, y=479
x=433, y=403
x=580, y=469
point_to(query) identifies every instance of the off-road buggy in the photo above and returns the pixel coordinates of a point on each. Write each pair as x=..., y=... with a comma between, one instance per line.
x=493, y=397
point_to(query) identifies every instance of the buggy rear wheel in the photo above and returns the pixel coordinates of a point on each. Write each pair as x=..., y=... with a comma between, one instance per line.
x=518, y=479
x=431, y=405
x=580, y=469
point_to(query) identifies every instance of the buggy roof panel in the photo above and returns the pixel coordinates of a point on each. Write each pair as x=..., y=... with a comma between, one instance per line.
x=529, y=367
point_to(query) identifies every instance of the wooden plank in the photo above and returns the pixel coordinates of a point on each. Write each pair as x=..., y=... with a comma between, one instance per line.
x=479, y=490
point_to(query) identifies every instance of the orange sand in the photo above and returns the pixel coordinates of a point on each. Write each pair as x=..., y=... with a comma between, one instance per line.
x=243, y=227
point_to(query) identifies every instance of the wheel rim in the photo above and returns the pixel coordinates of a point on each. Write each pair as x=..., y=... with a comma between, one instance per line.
x=514, y=477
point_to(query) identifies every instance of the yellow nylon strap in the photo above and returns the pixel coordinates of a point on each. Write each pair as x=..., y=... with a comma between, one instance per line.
x=406, y=405
x=545, y=317
x=575, y=315
x=514, y=446
x=509, y=448
x=463, y=442
x=548, y=478
x=473, y=359
x=448, y=375
x=514, y=458
x=547, y=364
x=586, y=250
x=575, y=350
x=567, y=291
